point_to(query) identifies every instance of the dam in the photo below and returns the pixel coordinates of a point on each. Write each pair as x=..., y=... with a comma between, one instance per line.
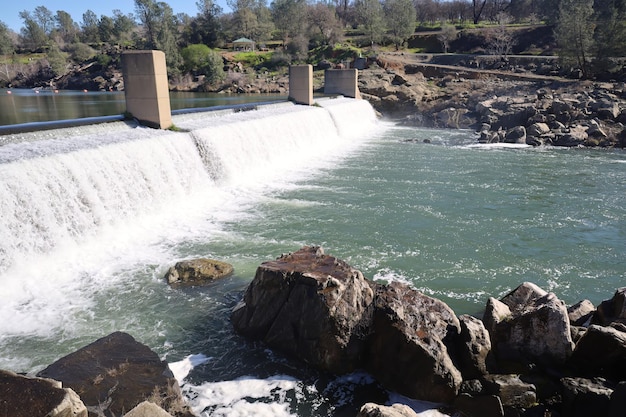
x=92, y=217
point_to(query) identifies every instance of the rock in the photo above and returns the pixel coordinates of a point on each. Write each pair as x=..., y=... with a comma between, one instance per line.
x=147, y=409
x=576, y=136
x=516, y=135
x=310, y=305
x=473, y=348
x=617, y=407
x=511, y=390
x=197, y=271
x=584, y=397
x=495, y=312
x=479, y=406
x=538, y=329
x=613, y=310
x=523, y=295
x=580, y=314
x=115, y=373
x=601, y=351
x=21, y=396
x=538, y=129
x=412, y=336
x=606, y=109
x=395, y=410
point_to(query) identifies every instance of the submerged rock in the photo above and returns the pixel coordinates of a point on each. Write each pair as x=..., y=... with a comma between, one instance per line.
x=395, y=410
x=197, y=271
x=115, y=373
x=21, y=396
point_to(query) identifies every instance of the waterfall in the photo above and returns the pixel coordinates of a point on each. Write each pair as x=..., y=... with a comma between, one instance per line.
x=60, y=192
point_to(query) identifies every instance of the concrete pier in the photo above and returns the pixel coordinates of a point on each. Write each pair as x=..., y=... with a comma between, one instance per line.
x=342, y=81
x=301, y=84
x=146, y=88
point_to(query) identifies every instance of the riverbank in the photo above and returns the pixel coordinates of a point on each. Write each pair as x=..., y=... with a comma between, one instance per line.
x=514, y=105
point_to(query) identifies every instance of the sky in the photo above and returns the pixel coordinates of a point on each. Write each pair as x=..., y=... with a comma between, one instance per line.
x=10, y=9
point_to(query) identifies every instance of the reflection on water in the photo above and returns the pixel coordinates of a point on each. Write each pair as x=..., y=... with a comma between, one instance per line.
x=26, y=106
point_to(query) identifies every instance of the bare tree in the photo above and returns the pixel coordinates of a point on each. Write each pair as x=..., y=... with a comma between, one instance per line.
x=500, y=39
x=477, y=9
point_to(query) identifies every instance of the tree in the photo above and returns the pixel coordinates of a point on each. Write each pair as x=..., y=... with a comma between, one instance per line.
x=370, y=16
x=89, y=27
x=477, y=9
x=6, y=43
x=56, y=60
x=289, y=18
x=201, y=60
x=500, y=39
x=44, y=18
x=610, y=35
x=66, y=28
x=160, y=30
x=324, y=24
x=205, y=27
x=32, y=35
x=400, y=18
x=427, y=11
x=123, y=25
x=448, y=34
x=574, y=33
x=106, y=27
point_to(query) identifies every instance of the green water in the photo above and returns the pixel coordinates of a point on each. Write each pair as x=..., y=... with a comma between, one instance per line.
x=27, y=106
x=460, y=223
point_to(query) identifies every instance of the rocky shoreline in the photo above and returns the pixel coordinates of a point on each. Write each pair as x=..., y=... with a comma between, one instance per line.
x=529, y=355
x=501, y=106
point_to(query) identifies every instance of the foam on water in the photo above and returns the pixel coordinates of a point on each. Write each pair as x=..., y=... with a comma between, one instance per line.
x=82, y=216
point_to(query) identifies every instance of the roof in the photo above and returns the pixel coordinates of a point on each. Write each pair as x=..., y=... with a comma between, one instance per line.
x=243, y=40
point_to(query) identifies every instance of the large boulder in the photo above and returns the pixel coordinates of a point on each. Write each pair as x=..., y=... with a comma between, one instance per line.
x=601, y=351
x=586, y=397
x=580, y=314
x=21, y=396
x=612, y=310
x=311, y=305
x=115, y=373
x=474, y=348
x=537, y=329
x=197, y=271
x=409, y=350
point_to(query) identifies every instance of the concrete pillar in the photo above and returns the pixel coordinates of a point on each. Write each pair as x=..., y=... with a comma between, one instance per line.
x=301, y=84
x=342, y=81
x=146, y=88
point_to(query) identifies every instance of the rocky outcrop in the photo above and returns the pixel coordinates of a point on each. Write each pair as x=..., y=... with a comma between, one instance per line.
x=197, y=271
x=519, y=360
x=310, y=305
x=114, y=374
x=552, y=111
x=21, y=396
x=320, y=309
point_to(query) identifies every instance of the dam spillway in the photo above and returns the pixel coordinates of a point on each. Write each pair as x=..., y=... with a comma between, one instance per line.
x=58, y=191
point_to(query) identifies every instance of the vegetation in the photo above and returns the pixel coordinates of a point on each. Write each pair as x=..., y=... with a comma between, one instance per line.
x=589, y=34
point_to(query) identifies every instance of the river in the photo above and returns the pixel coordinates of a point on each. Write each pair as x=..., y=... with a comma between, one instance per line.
x=91, y=222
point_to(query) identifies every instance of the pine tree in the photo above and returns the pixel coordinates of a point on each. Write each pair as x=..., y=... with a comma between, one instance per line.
x=574, y=33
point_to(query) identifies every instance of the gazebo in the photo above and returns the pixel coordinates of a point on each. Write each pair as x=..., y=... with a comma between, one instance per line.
x=243, y=44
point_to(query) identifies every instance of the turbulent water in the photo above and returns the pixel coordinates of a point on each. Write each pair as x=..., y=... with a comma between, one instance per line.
x=90, y=222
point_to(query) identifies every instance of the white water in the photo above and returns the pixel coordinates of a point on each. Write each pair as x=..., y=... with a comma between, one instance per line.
x=90, y=221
